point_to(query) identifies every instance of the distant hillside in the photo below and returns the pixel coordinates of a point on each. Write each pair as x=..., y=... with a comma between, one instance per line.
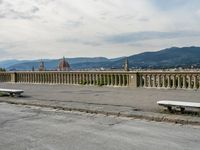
x=171, y=57
x=52, y=64
x=167, y=58
x=7, y=63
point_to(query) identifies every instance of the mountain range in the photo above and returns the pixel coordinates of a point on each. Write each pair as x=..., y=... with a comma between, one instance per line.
x=167, y=58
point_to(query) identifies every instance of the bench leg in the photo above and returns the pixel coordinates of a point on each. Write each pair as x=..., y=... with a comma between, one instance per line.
x=169, y=108
x=12, y=94
x=182, y=109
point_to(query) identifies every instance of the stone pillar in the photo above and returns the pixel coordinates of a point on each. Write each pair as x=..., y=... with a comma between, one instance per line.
x=13, y=77
x=133, y=80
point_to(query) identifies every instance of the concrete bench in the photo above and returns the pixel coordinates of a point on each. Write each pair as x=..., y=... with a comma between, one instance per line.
x=12, y=92
x=178, y=104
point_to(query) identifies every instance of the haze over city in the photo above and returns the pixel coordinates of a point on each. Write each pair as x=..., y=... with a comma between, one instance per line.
x=37, y=29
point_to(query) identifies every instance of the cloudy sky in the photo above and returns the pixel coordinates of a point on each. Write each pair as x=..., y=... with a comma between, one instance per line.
x=37, y=29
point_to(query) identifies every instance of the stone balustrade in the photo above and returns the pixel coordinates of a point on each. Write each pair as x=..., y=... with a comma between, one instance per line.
x=5, y=77
x=57, y=77
x=145, y=79
x=170, y=80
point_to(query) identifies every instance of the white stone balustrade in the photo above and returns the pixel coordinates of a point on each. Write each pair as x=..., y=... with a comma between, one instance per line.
x=147, y=79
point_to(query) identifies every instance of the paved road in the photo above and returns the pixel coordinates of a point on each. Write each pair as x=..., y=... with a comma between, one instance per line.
x=140, y=98
x=45, y=129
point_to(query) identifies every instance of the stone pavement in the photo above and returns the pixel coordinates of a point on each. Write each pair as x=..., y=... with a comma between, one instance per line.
x=27, y=127
x=129, y=102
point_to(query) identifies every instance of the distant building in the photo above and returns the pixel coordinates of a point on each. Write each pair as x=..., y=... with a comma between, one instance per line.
x=33, y=68
x=126, y=65
x=42, y=67
x=63, y=65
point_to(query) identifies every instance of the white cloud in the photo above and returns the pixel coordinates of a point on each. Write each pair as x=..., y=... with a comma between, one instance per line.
x=53, y=28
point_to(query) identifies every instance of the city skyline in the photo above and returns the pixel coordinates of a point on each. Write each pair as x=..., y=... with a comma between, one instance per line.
x=52, y=29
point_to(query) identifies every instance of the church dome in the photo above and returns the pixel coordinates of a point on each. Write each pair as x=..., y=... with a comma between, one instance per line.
x=64, y=65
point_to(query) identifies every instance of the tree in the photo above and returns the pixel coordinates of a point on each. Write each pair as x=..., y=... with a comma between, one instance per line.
x=2, y=69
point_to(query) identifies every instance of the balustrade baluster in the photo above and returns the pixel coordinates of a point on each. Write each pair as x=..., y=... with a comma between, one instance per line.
x=189, y=81
x=184, y=81
x=163, y=81
x=195, y=81
x=149, y=81
x=174, y=81
x=154, y=80
x=145, y=80
x=179, y=81
x=168, y=81
x=159, y=81
x=141, y=80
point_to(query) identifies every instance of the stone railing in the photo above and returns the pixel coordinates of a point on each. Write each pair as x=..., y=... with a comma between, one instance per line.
x=5, y=77
x=179, y=80
x=84, y=78
x=141, y=79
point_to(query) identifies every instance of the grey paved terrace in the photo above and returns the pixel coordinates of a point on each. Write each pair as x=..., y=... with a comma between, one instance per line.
x=23, y=127
x=139, y=98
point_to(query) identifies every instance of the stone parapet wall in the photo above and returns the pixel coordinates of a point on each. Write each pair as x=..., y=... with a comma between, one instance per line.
x=57, y=77
x=169, y=79
x=140, y=79
x=5, y=77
